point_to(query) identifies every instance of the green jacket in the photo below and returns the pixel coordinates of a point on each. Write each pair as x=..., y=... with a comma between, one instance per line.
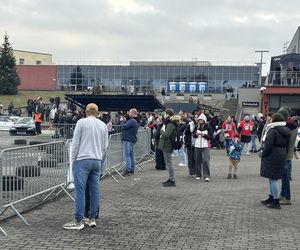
x=166, y=137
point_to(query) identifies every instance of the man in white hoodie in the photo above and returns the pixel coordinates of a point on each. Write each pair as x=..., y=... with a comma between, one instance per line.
x=201, y=149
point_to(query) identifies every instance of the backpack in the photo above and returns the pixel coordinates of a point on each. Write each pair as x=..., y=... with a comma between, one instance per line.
x=176, y=141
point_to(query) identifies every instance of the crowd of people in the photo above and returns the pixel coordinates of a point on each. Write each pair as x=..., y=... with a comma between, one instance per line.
x=191, y=136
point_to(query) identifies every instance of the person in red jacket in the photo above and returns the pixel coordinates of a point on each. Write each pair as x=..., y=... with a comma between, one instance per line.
x=229, y=129
x=245, y=128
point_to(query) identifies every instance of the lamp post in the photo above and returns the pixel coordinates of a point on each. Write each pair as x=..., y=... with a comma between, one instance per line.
x=260, y=64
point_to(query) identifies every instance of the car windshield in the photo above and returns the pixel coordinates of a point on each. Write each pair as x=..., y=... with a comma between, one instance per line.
x=25, y=121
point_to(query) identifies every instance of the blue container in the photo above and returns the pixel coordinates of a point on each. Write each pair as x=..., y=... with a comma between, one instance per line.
x=192, y=87
x=182, y=87
x=202, y=87
x=173, y=87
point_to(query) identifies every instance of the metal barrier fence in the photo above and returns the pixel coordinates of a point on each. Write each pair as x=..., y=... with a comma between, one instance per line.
x=115, y=158
x=64, y=131
x=42, y=170
x=61, y=131
x=30, y=171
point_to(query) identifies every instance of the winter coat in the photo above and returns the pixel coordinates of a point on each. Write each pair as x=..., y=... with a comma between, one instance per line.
x=236, y=153
x=130, y=128
x=201, y=141
x=274, y=153
x=167, y=134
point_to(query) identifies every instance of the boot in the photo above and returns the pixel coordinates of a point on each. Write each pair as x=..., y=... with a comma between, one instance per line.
x=275, y=204
x=267, y=201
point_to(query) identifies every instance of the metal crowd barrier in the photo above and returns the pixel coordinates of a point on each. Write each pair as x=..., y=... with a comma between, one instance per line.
x=115, y=157
x=31, y=171
x=43, y=170
x=61, y=131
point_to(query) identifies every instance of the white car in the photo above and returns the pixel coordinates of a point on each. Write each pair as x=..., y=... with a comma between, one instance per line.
x=6, y=122
x=297, y=142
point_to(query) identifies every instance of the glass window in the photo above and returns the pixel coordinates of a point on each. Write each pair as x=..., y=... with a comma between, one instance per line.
x=21, y=61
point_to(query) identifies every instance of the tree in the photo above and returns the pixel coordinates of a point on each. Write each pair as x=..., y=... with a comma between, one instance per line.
x=9, y=79
x=77, y=78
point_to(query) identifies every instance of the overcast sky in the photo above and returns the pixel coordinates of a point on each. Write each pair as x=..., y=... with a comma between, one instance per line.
x=122, y=30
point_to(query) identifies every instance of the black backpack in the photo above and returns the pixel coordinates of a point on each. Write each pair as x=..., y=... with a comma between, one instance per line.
x=176, y=141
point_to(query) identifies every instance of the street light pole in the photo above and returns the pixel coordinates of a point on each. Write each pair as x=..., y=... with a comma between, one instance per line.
x=260, y=64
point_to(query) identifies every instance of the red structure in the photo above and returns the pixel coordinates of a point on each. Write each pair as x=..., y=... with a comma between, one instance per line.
x=37, y=77
x=275, y=97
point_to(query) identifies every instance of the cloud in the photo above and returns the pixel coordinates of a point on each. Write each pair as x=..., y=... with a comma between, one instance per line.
x=267, y=17
x=149, y=30
x=130, y=6
x=241, y=19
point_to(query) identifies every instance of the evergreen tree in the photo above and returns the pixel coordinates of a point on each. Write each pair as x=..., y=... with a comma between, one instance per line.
x=9, y=79
x=77, y=78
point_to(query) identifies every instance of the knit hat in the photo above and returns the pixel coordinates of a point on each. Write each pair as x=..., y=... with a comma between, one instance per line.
x=202, y=117
x=284, y=112
x=237, y=135
x=278, y=117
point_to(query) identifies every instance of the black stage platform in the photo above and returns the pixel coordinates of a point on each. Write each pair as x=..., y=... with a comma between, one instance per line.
x=111, y=103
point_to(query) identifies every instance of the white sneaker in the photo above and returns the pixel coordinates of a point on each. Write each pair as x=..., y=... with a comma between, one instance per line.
x=182, y=165
x=206, y=179
x=73, y=225
x=247, y=153
x=92, y=222
x=198, y=178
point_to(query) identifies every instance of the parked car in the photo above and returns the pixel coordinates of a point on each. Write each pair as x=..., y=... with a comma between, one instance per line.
x=297, y=142
x=23, y=126
x=6, y=122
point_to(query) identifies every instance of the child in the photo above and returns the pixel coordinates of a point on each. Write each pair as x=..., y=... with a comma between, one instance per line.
x=235, y=152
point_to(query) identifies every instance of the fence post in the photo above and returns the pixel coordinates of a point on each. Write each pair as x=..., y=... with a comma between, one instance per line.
x=1, y=192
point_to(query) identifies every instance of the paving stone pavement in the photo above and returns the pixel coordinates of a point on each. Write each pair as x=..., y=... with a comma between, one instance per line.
x=139, y=213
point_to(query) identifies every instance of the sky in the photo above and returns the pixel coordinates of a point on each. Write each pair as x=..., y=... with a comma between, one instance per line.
x=126, y=30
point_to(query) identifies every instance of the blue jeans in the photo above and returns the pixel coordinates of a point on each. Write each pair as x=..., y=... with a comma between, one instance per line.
x=182, y=155
x=253, y=142
x=285, y=187
x=128, y=154
x=86, y=172
x=274, y=188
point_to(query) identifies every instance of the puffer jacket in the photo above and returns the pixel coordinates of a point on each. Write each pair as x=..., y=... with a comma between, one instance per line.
x=274, y=153
x=201, y=141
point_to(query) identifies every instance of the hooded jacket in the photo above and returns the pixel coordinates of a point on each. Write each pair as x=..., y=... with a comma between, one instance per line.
x=274, y=152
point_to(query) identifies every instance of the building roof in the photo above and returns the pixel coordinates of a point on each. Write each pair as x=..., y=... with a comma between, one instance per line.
x=32, y=52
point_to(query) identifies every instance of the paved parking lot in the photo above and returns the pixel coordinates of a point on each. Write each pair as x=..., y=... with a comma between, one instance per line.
x=138, y=213
x=7, y=141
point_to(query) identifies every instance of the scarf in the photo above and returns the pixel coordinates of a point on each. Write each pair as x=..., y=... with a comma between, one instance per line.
x=269, y=126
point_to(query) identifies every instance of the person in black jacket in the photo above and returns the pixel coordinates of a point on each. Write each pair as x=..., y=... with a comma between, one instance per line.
x=273, y=156
x=159, y=156
x=187, y=139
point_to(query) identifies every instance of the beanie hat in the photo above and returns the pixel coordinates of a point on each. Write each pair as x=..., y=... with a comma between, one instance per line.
x=278, y=117
x=202, y=117
x=236, y=135
x=284, y=112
